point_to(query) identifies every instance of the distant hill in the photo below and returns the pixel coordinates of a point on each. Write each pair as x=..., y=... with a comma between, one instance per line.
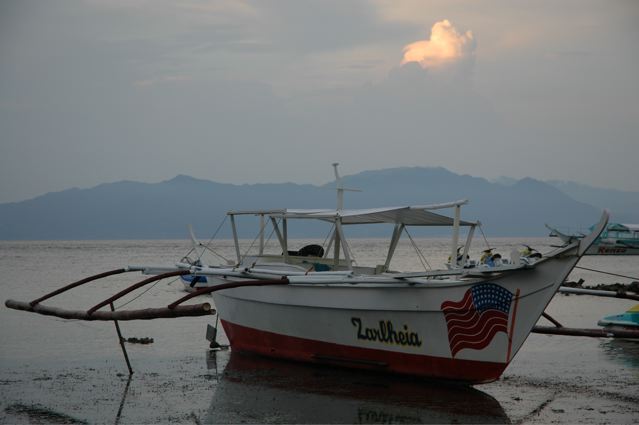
x=623, y=204
x=517, y=210
x=133, y=210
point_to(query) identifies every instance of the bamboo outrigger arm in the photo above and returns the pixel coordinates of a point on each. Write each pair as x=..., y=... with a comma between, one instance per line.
x=143, y=314
x=173, y=310
x=598, y=293
x=83, y=281
x=210, y=289
x=594, y=333
x=36, y=306
x=135, y=286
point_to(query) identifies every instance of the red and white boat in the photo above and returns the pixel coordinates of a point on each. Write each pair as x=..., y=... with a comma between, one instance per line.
x=463, y=324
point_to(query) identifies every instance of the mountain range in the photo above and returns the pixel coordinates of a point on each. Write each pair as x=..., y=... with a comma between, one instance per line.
x=135, y=210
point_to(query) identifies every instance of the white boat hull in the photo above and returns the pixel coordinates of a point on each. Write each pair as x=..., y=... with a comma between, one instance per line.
x=402, y=328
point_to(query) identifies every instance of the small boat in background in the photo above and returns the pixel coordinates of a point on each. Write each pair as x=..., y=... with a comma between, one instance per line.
x=625, y=321
x=616, y=239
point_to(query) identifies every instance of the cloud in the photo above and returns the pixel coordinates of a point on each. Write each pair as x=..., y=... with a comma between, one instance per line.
x=161, y=80
x=445, y=46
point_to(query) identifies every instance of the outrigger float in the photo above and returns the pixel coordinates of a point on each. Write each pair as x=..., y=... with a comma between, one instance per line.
x=317, y=305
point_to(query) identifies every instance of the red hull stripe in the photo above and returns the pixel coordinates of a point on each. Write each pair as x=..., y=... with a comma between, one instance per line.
x=281, y=346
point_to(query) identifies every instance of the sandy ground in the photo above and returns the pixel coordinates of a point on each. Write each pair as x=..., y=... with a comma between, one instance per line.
x=234, y=388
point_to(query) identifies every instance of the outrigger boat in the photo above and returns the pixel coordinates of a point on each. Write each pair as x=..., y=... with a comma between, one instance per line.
x=616, y=239
x=316, y=305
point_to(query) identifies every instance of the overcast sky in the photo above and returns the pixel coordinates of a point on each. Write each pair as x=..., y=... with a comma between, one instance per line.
x=95, y=91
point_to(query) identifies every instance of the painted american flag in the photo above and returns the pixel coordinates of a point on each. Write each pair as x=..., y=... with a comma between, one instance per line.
x=474, y=321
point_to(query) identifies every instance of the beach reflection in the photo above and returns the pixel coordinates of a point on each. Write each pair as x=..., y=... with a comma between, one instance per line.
x=623, y=351
x=254, y=389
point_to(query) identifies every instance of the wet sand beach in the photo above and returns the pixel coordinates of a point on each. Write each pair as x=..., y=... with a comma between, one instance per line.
x=56, y=371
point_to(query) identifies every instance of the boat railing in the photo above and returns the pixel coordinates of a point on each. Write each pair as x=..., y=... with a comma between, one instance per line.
x=307, y=261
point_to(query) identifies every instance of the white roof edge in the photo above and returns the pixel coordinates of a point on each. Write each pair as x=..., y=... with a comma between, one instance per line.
x=440, y=206
x=280, y=211
x=253, y=212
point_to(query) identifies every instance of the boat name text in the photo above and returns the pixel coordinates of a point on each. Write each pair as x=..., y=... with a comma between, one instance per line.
x=386, y=333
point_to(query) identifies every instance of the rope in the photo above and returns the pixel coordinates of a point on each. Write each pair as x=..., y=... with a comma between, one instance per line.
x=611, y=274
x=328, y=235
x=207, y=245
x=421, y=256
x=482, y=233
x=172, y=281
x=268, y=239
x=350, y=252
x=142, y=293
x=256, y=238
x=213, y=252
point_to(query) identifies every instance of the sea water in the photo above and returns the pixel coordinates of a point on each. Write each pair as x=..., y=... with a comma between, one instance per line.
x=54, y=370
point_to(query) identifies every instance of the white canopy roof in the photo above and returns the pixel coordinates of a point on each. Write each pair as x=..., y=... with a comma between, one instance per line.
x=417, y=215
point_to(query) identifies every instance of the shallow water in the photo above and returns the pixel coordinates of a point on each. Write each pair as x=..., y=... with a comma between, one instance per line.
x=60, y=371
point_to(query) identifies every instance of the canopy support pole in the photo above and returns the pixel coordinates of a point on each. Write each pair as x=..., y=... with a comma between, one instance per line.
x=336, y=247
x=237, y=245
x=340, y=235
x=397, y=232
x=126, y=356
x=262, y=227
x=285, y=239
x=469, y=240
x=330, y=244
x=455, y=242
x=277, y=232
